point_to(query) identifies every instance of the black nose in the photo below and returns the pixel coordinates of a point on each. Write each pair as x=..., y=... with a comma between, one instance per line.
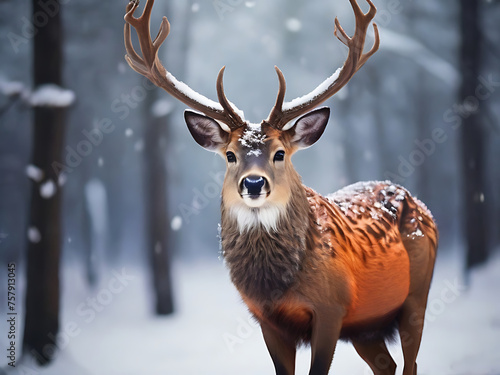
x=254, y=184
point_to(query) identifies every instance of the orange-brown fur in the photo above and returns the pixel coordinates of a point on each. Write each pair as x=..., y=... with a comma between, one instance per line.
x=366, y=256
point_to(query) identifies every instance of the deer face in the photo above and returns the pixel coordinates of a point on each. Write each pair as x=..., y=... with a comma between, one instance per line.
x=260, y=176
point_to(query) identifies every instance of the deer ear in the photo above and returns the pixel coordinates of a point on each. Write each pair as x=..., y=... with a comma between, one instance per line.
x=206, y=131
x=309, y=128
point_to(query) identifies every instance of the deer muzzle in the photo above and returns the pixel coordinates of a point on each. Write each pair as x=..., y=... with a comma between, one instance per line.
x=254, y=190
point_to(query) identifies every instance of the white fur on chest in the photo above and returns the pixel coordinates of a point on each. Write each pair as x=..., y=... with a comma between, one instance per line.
x=252, y=218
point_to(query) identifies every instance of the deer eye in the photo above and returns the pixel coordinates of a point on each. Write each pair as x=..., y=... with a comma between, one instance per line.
x=231, y=157
x=279, y=155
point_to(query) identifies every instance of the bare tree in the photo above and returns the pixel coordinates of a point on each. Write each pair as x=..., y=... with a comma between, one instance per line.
x=473, y=166
x=44, y=247
x=157, y=223
x=158, y=231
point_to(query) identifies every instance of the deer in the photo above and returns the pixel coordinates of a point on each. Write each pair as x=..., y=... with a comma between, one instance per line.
x=355, y=265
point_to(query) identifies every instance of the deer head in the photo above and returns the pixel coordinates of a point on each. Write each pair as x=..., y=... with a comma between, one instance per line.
x=260, y=179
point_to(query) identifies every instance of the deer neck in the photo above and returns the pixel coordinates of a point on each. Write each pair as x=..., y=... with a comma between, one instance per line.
x=265, y=253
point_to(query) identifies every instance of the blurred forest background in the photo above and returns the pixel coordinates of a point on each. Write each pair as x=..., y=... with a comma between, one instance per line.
x=135, y=189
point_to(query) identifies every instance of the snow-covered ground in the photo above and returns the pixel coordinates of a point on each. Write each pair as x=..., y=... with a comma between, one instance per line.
x=110, y=330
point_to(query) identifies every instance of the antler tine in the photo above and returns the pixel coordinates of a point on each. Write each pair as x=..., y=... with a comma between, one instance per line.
x=150, y=66
x=162, y=33
x=274, y=117
x=355, y=43
x=225, y=103
x=282, y=113
x=130, y=9
x=374, y=48
x=141, y=24
x=343, y=37
x=134, y=60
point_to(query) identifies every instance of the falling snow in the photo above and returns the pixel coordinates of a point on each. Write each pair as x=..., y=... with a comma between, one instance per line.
x=139, y=145
x=34, y=235
x=48, y=189
x=293, y=25
x=61, y=179
x=158, y=248
x=162, y=107
x=176, y=223
x=35, y=173
x=122, y=67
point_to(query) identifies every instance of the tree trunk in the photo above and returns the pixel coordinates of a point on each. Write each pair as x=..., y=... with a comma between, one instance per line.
x=472, y=138
x=44, y=247
x=157, y=223
x=156, y=138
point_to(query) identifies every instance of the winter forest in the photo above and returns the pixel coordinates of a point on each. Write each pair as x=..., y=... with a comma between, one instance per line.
x=109, y=211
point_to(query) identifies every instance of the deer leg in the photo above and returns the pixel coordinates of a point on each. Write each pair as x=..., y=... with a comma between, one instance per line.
x=281, y=349
x=325, y=333
x=422, y=255
x=376, y=355
x=411, y=325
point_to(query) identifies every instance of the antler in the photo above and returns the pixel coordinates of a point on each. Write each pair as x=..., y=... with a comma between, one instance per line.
x=282, y=112
x=150, y=66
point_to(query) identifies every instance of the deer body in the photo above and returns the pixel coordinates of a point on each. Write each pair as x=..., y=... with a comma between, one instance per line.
x=346, y=250
x=353, y=265
x=345, y=259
